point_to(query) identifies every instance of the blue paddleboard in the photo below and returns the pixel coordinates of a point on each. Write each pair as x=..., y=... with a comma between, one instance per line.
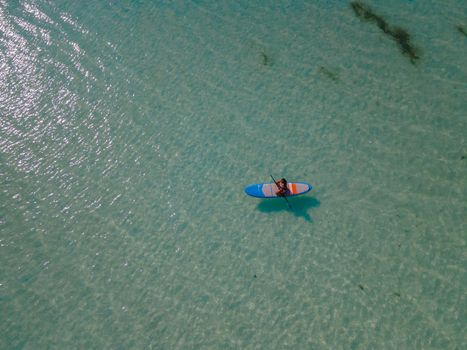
x=268, y=190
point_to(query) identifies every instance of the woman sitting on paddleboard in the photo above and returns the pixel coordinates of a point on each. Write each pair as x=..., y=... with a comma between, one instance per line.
x=282, y=188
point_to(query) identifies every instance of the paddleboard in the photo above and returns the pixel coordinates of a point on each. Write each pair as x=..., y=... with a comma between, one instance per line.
x=268, y=190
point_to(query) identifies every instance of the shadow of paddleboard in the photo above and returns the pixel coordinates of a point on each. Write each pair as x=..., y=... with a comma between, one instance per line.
x=300, y=206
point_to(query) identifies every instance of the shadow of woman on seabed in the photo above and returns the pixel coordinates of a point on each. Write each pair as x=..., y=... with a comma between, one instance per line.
x=299, y=206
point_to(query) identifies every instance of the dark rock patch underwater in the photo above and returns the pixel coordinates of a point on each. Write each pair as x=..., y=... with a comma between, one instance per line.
x=400, y=35
x=461, y=30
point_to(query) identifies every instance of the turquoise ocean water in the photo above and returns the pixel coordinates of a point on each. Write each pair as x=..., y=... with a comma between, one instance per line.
x=128, y=130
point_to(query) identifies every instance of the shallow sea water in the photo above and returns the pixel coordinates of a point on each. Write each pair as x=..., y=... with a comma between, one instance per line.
x=129, y=129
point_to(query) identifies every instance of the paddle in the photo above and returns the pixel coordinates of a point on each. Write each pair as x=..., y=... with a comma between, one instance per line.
x=288, y=203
